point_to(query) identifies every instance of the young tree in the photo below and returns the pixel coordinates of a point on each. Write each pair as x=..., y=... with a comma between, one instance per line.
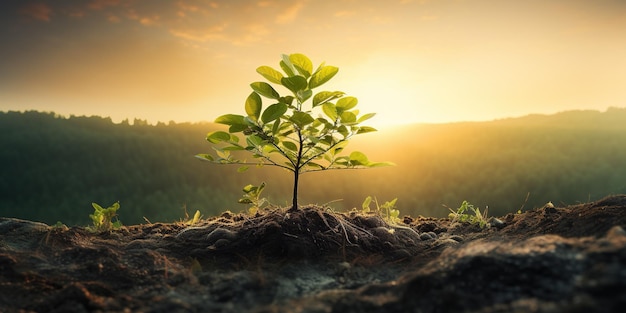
x=286, y=133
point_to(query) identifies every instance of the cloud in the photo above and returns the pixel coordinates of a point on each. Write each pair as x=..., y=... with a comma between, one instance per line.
x=149, y=21
x=290, y=14
x=37, y=11
x=102, y=4
x=214, y=33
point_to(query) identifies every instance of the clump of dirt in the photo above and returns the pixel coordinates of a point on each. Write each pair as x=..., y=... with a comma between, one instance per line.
x=310, y=233
x=316, y=260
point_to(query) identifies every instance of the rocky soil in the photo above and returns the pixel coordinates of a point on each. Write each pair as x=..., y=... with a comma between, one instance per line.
x=564, y=259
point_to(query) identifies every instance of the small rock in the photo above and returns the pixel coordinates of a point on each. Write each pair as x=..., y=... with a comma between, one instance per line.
x=616, y=232
x=427, y=236
x=456, y=238
x=497, y=223
x=447, y=242
x=220, y=233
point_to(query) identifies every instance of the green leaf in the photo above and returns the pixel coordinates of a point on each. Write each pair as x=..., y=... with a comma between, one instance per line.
x=270, y=74
x=343, y=130
x=290, y=145
x=286, y=100
x=265, y=90
x=365, y=129
x=230, y=119
x=242, y=169
x=115, y=206
x=254, y=140
x=365, y=117
x=116, y=225
x=330, y=110
x=97, y=207
x=347, y=103
x=269, y=149
x=237, y=128
x=275, y=127
x=244, y=201
x=287, y=69
x=234, y=148
x=273, y=112
x=380, y=164
x=304, y=95
x=254, y=105
x=358, y=158
x=366, y=204
x=325, y=96
x=302, y=64
x=323, y=75
x=348, y=118
x=315, y=165
x=294, y=83
x=237, y=122
x=301, y=119
x=205, y=157
x=217, y=136
x=287, y=66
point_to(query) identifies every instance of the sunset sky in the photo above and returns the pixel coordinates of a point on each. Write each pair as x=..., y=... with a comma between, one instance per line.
x=409, y=61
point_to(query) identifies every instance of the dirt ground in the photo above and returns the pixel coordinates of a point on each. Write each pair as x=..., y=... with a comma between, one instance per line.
x=563, y=259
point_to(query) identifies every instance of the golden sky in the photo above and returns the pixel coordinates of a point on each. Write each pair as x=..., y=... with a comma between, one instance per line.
x=409, y=61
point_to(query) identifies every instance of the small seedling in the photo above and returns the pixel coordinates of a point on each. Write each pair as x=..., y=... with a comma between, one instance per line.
x=103, y=218
x=252, y=196
x=191, y=221
x=59, y=225
x=466, y=213
x=300, y=131
x=387, y=210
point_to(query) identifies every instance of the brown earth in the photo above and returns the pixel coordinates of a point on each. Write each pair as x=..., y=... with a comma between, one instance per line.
x=569, y=259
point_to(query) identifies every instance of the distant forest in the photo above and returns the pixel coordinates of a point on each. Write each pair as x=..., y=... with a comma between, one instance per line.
x=52, y=167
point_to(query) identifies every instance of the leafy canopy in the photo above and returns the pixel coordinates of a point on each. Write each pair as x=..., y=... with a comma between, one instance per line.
x=300, y=131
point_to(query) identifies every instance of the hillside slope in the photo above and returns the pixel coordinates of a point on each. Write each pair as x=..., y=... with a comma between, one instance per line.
x=54, y=167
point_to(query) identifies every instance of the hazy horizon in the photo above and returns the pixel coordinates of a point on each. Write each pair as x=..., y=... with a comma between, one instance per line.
x=130, y=120
x=410, y=61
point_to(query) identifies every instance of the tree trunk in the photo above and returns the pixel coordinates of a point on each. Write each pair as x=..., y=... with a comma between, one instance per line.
x=296, y=172
x=296, y=177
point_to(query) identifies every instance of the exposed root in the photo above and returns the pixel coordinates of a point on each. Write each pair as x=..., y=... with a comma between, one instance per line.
x=304, y=233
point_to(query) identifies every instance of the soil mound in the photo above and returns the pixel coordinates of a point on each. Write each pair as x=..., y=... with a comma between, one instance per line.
x=551, y=259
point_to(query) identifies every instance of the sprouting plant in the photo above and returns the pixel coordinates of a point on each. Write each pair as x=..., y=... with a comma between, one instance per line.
x=59, y=225
x=191, y=221
x=103, y=218
x=252, y=196
x=287, y=133
x=387, y=210
x=466, y=213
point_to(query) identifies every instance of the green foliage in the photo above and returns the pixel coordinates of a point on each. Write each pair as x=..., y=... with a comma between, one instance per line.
x=52, y=165
x=387, y=210
x=103, y=218
x=466, y=213
x=287, y=133
x=252, y=196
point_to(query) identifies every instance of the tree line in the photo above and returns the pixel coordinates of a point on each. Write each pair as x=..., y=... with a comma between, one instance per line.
x=53, y=167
